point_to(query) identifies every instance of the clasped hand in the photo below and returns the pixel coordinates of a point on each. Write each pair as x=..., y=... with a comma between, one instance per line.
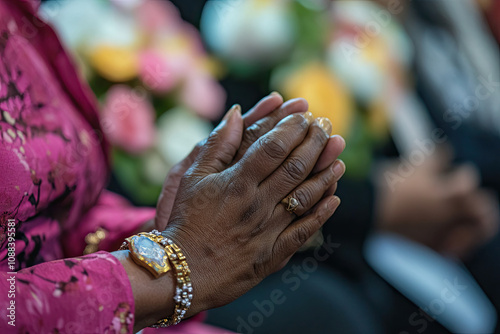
x=223, y=203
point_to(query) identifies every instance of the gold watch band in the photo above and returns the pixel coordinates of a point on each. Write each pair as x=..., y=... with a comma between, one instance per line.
x=159, y=254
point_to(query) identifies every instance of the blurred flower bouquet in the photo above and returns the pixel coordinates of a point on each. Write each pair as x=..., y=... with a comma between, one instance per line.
x=345, y=57
x=156, y=84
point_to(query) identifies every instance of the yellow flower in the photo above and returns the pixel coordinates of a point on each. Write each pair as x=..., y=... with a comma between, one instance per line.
x=377, y=119
x=212, y=66
x=326, y=96
x=115, y=63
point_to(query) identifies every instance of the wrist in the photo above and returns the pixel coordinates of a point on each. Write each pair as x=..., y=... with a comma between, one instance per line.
x=199, y=302
x=153, y=297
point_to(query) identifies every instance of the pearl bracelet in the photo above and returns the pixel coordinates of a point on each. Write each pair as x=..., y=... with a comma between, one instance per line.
x=184, y=288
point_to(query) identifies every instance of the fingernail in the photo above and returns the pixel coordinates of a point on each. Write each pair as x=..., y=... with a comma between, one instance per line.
x=231, y=111
x=325, y=124
x=309, y=117
x=338, y=168
x=275, y=93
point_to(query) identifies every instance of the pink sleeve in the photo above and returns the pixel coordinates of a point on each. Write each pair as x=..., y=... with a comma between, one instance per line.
x=113, y=214
x=90, y=294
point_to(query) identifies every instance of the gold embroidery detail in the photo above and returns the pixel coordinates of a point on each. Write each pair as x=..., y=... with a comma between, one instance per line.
x=11, y=133
x=93, y=240
x=8, y=118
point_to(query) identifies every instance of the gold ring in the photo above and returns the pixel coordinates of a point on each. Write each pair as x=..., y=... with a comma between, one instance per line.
x=291, y=204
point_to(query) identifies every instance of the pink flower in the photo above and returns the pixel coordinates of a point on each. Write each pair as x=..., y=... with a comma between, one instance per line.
x=128, y=119
x=154, y=15
x=202, y=94
x=157, y=72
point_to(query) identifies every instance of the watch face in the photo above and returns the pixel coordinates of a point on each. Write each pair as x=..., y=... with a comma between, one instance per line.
x=150, y=253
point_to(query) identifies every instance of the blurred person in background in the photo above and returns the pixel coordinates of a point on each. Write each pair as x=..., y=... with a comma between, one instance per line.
x=54, y=166
x=414, y=87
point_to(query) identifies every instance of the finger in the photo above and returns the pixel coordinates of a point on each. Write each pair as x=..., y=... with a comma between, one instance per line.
x=270, y=150
x=440, y=160
x=171, y=185
x=263, y=126
x=311, y=191
x=335, y=146
x=481, y=209
x=331, y=190
x=489, y=212
x=461, y=181
x=299, y=164
x=296, y=234
x=221, y=145
x=479, y=223
x=265, y=106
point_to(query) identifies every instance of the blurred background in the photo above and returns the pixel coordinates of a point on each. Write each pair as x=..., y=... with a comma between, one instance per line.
x=414, y=88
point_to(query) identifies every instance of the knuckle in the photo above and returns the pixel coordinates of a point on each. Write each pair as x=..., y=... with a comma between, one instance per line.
x=252, y=213
x=294, y=120
x=257, y=230
x=327, y=180
x=259, y=267
x=226, y=151
x=300, y=120
x=212, y=138
x=304, y=196
x=301, y=235
x=319, y=218
x=319, y=136
x=274, y=147
x=200, y=144
x=253, y=133
x=296, y=169
x=189, y=175
x=211, y=142
x=333, y=188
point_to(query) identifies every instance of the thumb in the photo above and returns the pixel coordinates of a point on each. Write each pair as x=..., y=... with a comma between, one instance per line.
x=222, y=144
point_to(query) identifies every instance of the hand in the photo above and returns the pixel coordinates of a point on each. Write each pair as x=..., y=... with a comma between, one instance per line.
x=227, y=217
x=446, y=211
x=258, y=121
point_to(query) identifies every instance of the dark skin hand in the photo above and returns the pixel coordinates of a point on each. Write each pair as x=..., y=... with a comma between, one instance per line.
x=227, y=216
x=441, y=207
x=258, y=121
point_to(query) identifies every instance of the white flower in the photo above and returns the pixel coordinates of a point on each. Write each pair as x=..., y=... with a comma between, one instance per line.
x=90, y=23
x=252, y=31
x=179, y=131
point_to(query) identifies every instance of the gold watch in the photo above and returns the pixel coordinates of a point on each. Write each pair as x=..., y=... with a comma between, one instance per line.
x=148, y=253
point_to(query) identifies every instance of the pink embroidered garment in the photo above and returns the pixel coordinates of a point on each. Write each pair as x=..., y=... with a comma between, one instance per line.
x=53, y=168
